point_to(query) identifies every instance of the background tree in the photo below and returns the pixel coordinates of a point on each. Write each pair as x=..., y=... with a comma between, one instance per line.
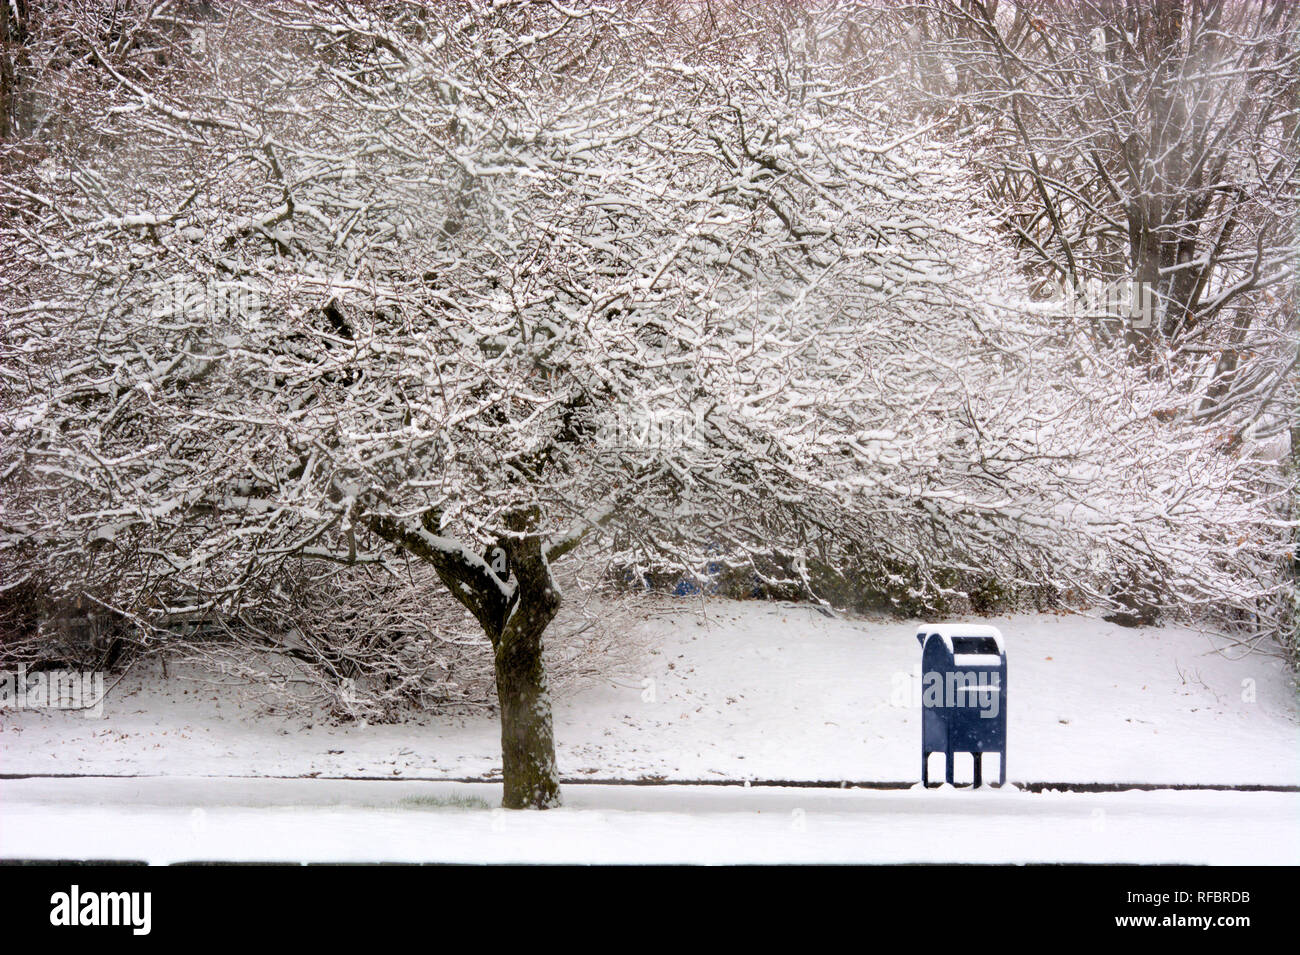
x=1156, y=144
x=1145, y=152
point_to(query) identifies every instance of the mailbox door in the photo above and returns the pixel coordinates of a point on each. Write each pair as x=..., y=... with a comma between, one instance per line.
x=981, y=728
x=971, y=733
x=934, y=730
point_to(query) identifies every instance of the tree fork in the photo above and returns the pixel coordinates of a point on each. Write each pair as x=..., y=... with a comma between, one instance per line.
x=515, y=626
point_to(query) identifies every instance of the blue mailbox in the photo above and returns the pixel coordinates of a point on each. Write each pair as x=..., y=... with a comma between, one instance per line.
x=963, y=695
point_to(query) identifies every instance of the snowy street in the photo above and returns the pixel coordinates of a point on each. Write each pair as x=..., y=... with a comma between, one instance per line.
x=185, y=819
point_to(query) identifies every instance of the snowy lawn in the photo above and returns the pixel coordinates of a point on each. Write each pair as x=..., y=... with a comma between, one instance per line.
x=719, y=690
x=178, y=819
x=734, y=690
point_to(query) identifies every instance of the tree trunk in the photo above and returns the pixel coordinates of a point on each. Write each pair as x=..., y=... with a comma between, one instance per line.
x=532, y=780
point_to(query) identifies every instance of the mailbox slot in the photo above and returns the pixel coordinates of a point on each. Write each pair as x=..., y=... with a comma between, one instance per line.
x=976, y=646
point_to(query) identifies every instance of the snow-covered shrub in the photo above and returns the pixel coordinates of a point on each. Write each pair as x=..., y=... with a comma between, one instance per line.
x=38, y=633
x=364, y=644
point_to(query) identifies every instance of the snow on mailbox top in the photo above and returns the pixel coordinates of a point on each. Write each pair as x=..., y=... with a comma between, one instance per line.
x=947, y=632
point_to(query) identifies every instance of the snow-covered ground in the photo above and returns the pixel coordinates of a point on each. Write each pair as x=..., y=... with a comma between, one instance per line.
x=735, y=690
x=720, y=690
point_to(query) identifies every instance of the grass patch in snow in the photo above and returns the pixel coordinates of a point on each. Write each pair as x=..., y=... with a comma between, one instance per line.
x=443, y=802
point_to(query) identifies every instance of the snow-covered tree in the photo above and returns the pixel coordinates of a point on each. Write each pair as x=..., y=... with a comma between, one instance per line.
x=466, y=284
x=1147, y=155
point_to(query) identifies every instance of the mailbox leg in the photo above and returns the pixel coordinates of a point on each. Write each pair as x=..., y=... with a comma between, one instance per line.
x=925, y=770
x=947, y=767
x=977, y=759
x=1002, y=769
